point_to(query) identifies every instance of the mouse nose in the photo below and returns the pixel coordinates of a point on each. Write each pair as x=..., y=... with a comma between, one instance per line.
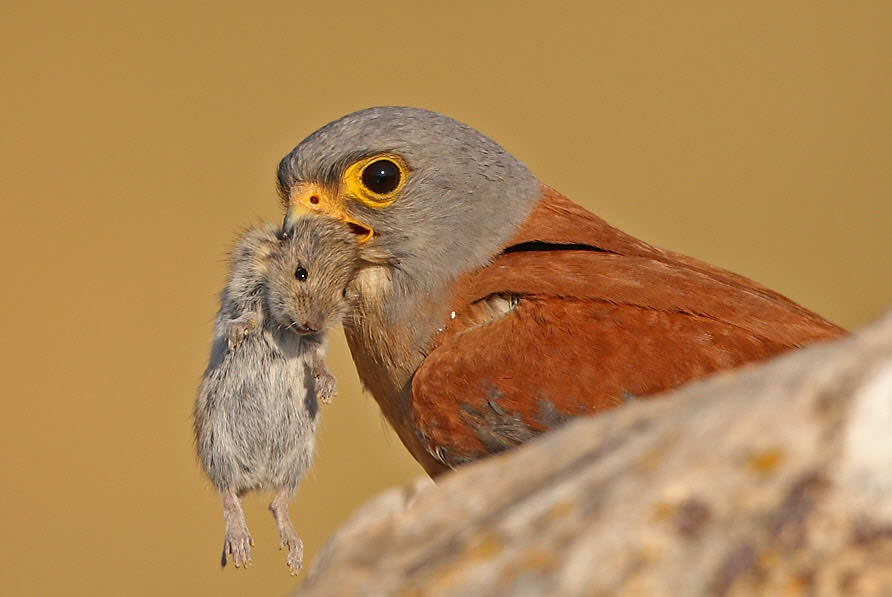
x=307, y=327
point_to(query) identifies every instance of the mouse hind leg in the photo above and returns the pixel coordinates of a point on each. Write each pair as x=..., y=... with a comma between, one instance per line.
x=237, y=541
x=289, y=537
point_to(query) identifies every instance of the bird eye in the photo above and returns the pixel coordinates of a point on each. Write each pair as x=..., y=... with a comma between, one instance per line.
x=376, y=181
x=300, y=273
x=381, y=177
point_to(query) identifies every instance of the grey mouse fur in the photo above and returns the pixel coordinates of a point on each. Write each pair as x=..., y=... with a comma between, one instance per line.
x=256, y=411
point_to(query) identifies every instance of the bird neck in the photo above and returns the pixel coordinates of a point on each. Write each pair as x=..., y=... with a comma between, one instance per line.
x=389, y=335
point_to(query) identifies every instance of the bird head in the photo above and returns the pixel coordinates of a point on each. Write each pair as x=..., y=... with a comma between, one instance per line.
x=421, y=189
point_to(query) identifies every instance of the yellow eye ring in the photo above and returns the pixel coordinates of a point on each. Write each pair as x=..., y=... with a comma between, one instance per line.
x=377, y=180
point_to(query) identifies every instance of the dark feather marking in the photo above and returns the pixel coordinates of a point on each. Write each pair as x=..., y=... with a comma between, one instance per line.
x=549, y=416
x=496, y=429
x=538, y=245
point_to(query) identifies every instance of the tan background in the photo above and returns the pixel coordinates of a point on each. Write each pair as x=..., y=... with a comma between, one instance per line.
x=136, y=142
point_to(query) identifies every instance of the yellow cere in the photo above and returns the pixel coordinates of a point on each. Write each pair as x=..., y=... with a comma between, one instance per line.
x=313, y=198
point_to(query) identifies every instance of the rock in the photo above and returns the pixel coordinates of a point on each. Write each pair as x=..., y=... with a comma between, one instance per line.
x=775, y=479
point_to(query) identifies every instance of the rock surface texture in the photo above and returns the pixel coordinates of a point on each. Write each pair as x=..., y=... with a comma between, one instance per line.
x=773, y=480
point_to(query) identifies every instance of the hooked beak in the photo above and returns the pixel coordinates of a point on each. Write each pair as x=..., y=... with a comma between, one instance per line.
x=311, y=198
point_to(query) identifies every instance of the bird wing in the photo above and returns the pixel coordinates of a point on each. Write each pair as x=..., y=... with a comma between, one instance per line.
x=574, y=317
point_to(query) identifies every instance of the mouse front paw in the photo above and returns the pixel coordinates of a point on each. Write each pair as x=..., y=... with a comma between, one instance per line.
x=237, y=330
x=326, y=386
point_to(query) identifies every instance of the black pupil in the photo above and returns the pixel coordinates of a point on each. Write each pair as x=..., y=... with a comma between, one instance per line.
x=382, y=177
x=301, y=274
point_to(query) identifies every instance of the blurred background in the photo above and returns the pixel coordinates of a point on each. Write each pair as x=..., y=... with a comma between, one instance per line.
x=137, y=141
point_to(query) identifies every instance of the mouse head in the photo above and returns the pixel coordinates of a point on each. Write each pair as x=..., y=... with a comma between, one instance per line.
x=308, y=275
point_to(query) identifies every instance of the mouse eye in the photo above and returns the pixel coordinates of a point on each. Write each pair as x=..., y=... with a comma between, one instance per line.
x=300, y=273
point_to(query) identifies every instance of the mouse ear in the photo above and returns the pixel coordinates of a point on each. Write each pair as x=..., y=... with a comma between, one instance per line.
x=377, y=256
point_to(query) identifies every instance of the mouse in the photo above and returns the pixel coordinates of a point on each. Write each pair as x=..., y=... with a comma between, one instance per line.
x=257, y=408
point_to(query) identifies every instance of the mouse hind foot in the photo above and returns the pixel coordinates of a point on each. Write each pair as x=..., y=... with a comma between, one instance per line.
x=290, y=540
x=238, y=541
